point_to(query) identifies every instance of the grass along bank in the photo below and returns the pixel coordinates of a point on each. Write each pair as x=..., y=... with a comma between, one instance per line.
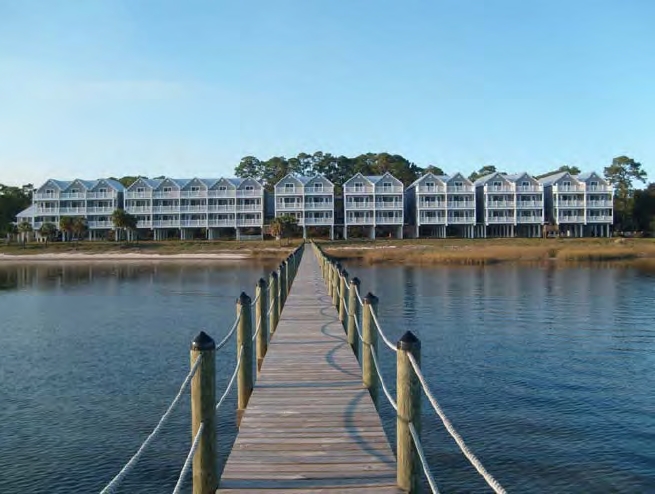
x=493, y=251
x=267, y=249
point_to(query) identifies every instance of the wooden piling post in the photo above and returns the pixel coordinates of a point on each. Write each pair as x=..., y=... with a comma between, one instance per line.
x=262, y=321
x=274, y=316
x=328, y=278
x=203, y=403
x=343, y=284
x=245, y=382
x=408, y=389
x=335, y=285
x=370, y=343
x=283, y=284
x=353, y=313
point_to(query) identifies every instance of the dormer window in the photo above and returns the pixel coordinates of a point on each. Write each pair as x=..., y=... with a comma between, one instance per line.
x=140, y=189
x=49, y=192
x=289, y=187
x=497, y=184
x=195, y=188
x=525, y=184
x=386, y=185
x=168, y=189
x=429, y=185
x=359, y=186
x=102, y=191
x=75, y=191
x=593, y=184
x=249, y=188
x=222, y=188
x=318, y=187
x=458, y=184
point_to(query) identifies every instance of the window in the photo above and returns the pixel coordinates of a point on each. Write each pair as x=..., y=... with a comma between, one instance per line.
x=497, y=184
x=250, y=188
x=102, y=191
x=289, y=187
x=359, y=186
x=318, y=187
x=458, y=184
x=594, y=184
x=566, y=184
x=429, y=185
x=195, y=188
x=49, y=192
x=222, y=188
x=75, y=191
x=386, y=185
x=525, y=184
x=168, y=189
x=140, y=189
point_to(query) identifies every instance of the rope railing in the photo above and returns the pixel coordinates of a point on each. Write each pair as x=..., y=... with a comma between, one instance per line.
x=229, y=334
x=232, y=379
x=386, y=340
x=423, y=460
x=189, y=459
x=491, y=481
x=115, y=482
x=392, y=402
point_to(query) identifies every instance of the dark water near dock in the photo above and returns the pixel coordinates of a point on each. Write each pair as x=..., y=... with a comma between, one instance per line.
x=547, y=373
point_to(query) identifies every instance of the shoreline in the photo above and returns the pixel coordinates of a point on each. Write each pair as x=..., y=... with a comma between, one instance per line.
x=128, y=256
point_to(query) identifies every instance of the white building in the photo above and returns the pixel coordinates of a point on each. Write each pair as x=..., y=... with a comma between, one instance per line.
x=94, y=200
x=220, y=207
x=580, y=205
x=374, y=202
x=309, y=199
x=510, y=205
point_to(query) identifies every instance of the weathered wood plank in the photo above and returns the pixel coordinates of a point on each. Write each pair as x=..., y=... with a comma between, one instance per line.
x=310, y=425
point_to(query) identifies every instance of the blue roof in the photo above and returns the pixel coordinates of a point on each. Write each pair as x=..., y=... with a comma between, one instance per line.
x=551, y=179
x=30, y=212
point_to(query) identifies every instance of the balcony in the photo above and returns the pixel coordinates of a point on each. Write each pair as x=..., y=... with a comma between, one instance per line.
x=389, y=205
x=432, y=219
x=101, y=195
x=249, y=222
x=250, y=193
x=500, y=204
x=529, y=220
x=461, y=220
x=192, y=209
x=284, y=191
x=529, y=204
x=221, y=208
x=394, y=189
x=166, y=209
x=72, y=211
x=360, y=220
x=431, y=204
x=319, y=221
x=193, y=223
x=72, y=195
x=573, y=218
x=569, y=204
x=328, y=191
x=319, y=205
x=249, y=207
x=461, y=204
x=172, y=194
x=47, y=211
x=229, y=223
x=499, y=188
x=367, y=189
x=222, y=193
x=40, y=196
x=599, y=204
x=193, y=193
x=460, y=188
x=166, y=223
x=144, y=224
x=569, y=188
x=389, y=220
x=105, y=210
x=138, y=195
x=359, y=205
x=437, y=189
x=600, y=218
x=529, y=188
x=138, y=209
x=94, y=225
x=599, y=188
x=285, y=206
x=495, y=220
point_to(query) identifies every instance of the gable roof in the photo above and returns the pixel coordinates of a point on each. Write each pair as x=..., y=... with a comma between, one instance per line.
x=458, y=176
x=441, y=178
x=485, y=178
x=29, y=212
x=517, y=176
x=587, y=175
x=551, y=179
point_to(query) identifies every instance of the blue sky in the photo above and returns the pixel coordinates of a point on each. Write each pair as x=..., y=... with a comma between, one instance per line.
x=186, y=88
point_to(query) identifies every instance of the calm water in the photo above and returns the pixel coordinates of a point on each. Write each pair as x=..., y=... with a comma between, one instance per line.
x=547, y=373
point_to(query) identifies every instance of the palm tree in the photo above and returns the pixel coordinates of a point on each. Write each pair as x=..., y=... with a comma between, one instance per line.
x=78, y=227
x=25, y=228
x=281, y=226
x=66, y=227
x=123, y=221
x=47, y=231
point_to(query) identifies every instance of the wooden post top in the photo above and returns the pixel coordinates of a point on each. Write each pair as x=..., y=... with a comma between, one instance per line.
x=355, y=281
x=244, y=299
x=261, y=283
x=370, y=299
x=203, y=342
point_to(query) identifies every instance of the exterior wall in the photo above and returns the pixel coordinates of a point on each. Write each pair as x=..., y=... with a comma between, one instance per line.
x=309, y=200
x=368, y=203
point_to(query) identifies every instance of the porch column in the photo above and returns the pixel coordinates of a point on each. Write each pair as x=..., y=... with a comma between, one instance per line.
x=345, y=232
x=304, y=232
x=331, y=232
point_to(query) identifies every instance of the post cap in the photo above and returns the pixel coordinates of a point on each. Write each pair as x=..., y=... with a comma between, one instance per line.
x=243, y=299
x=338, y=265
x=355, y=281
x=344, y=273
x=203, y=342
x=261, y=283
x=408, y=342
x=274, y=274
x=370, y=299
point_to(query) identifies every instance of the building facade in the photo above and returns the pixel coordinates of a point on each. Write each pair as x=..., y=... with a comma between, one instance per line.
x=308, y=199
x=375, y=203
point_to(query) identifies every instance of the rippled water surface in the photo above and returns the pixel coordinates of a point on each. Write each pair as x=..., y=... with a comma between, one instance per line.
x=547, y=373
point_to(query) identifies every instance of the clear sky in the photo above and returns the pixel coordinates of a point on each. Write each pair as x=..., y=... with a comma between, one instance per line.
x=186, y=88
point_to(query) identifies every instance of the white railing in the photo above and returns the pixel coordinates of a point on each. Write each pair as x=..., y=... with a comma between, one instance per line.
x=461, y=220
x=193, y=223
x=569, y=188
x=173, y=194
x=360, y=220
x=249, y=207
x=394, y=189
x=529, y=219
x=529, y=188
x=166, y=223
x=500, y=204
x=144, y=224
x=224, y=223
x=101, y=210
x=576, y=204
x=359, y=205
x=325, y=191
x=319, y=221
x=193, y=209
x=529, y=204
x=193, y=193
x=460, y=188
x=40, y=211
x=389, y=220
x=101, y=224
x=249, y=222
x=65, y=211
x=101, y=195
x=282, y=191
x=599, y=188
x=461, y=204
x=423, y=189
x=388, y=205
x=367, y=189
x=218, y=208
x=599, y=204
x=500, y=219
x=221, y=193
x=319, y=205
x=599, y=218
x=438, y=220
x=578, y=218
x=72, y=195
x=166, y=209
x=40, y=196
x=431, y=204
x=499, y=188
x=138, y=195
x=138, y=209
x=250, y=193
x=289, y=205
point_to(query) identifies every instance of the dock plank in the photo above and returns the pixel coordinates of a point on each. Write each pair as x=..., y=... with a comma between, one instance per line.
x=310, y=425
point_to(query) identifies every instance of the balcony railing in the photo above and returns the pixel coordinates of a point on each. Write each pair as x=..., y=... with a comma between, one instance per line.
x=193, y=209
x=193, y=193
x=599, y=188
x=139, y=195
x=499, y=188
x=249, y=222
x=325, y=191
x=461, y=204
x=360, y=220
x=529, y=188
x=230, y=223
x=388, y=205
x=75, y=211
x=138, y=209
x=423, y=189
x=193, y=223
x=500, y=219
x=319, y=221
x=173, y=194
x=460, y=188
x=166, y=223
x=578, y=218
x=40, y=196
x=359, y=205
x=222, y=193
x=101, y=195
x=600, y=218
x=394, y=189
x=569, y=188
x=221, y=208
x=432, y=220
x=250, y=193
x=529, y=204
x=529, y=219
x=367, y=189
x=166, y=209
x=72, y=195
x=461, y=220
x=101, y=224
x=249, y=207
x=575, y=204
x=282, y=191
x=432, y=204
x=319, y=205
x=144, y=224
x=105, y=210
x=388, y=220
x=599, y=204
x=289, y=205
x=500, y=204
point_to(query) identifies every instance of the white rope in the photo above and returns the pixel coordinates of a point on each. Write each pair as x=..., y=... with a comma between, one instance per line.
x=359, y=299
x=359, y=331
x=231, y=383
x=259, y=327
x=493, y=483
x=424, y=461
x=270, y=309
x=189, y=459
x=113, y=485
x=381, y=333
x=252, y=303
x=230, y=333
x=384, y=386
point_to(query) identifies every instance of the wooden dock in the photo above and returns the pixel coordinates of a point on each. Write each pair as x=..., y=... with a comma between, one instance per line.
x=310, y=425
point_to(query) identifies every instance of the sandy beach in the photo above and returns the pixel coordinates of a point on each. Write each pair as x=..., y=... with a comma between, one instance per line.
x=125, y=256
